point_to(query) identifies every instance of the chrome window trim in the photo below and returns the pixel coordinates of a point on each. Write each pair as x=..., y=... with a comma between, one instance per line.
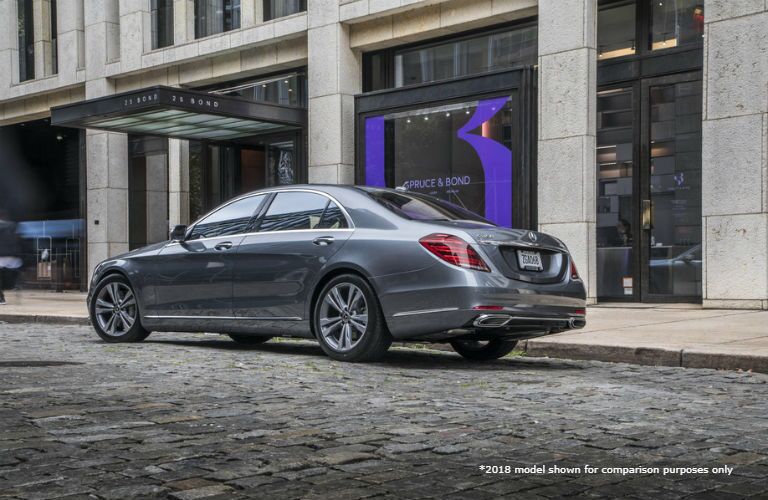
x=259, y=193
x=255, y=233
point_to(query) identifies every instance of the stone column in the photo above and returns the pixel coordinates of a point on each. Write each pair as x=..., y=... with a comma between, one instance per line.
x=41, y=12
x=9, y=52
x=107, y=195
x=106, y=152
x=334, y=77
x=157, y=197
x=71, y=39
x=178, y=182
x=183, y=21
x=135, y=33
x=735, y=155
x=567, y=119
x=251, y=13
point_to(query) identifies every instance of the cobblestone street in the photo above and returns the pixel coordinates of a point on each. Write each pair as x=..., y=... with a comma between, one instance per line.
x=198, y=416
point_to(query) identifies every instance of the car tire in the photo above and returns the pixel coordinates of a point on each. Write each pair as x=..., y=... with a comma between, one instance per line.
x=348, y=321
x=114, y=311
x=483, y=350
x=248, y=339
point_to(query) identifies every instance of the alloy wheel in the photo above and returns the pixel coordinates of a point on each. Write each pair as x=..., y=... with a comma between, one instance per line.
x=116, y=309
x=343, y=317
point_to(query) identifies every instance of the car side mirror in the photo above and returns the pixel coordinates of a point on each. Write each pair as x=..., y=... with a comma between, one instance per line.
x=178, y=233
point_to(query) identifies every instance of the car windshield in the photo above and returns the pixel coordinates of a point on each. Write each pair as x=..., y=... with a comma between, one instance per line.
x=417, y=206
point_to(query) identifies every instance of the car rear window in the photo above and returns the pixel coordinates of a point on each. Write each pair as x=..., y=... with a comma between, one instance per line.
x=417, y=206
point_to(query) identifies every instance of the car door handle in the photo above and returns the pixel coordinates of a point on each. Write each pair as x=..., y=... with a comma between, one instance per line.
x=224, y=245
x=323, y=241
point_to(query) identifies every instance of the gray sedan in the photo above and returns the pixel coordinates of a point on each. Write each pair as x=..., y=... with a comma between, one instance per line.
x=352, y=267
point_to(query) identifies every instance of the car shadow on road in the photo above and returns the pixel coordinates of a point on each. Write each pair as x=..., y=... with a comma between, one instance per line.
x=399, y=357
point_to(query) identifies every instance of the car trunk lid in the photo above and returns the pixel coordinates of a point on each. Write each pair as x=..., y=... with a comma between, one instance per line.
x=513, y=251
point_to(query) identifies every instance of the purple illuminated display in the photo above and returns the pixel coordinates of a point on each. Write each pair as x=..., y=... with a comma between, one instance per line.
x=495, y=158
x=374, y=151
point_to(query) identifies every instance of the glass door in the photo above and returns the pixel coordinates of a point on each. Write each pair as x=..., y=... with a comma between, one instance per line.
x=671, y=189
x=617, y=215
x=649, y=190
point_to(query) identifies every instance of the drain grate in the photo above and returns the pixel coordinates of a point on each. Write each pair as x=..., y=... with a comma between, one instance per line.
x=35, y=363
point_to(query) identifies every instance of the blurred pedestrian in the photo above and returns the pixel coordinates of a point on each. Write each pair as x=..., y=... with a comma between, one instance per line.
x=9, y=253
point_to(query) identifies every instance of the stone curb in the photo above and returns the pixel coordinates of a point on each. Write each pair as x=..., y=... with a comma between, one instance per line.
x=648, y=356
x=47, y=319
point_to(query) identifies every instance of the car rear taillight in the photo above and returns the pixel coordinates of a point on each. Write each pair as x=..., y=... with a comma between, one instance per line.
x=574, y=271
x=454, y=250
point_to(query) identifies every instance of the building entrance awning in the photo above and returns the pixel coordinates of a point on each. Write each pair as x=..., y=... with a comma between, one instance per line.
x=185, y=114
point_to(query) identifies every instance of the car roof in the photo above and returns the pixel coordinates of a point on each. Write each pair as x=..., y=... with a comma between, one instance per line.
x=327, y=188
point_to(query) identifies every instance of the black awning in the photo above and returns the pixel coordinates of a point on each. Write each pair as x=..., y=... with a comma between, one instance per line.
x=173, y=112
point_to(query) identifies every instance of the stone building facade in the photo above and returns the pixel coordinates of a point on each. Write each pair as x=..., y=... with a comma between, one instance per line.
x=637, y=131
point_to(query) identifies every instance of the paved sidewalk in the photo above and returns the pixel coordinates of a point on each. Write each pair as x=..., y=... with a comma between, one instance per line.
x=658, y=335
x=44, y=307
x=681, y=335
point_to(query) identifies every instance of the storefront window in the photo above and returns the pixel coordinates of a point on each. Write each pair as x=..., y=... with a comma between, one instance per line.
x=616, y=30
x=459, y=152
x=467, y=56
x=675, y=190
x=676, y=22
x=289, y=90
x=274, y=9
x=41, y=189
x=615, y=202
x=54, y=39
x=216, y=16
x=162, y=23
x=281, y=162
x=219, y=172
x=26, y=40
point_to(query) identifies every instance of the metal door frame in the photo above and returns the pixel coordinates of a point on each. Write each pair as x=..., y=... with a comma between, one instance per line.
x=644, y=181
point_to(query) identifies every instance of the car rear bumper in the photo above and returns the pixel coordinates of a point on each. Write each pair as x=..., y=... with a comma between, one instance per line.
x=463, y=303
x=508, y=323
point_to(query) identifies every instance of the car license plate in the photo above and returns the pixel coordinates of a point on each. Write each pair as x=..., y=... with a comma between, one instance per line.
x=529, y=260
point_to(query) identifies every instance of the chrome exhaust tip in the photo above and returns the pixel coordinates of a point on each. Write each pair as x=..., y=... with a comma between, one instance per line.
x=577, y=323
x=492, y=320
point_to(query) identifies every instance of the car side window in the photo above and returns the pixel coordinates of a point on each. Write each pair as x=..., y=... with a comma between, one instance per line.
x=333, y=218
x=230, y=219
x=295, y=210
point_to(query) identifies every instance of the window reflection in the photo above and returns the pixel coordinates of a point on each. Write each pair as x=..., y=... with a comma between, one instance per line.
x=467, y=56
x=274, y=9
x=675, y=242
x=294, y=210
x=216, y=16
x=616, y=30
x=460, y=152
x=231, y=219
x=162, y=23
x=676, y=22
x=615, y=213
x=333, y=218
x=288, y=89
x=26, y=34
